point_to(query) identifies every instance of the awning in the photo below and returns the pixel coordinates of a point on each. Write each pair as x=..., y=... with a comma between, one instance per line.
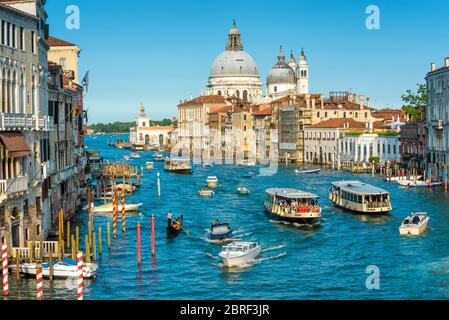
x=16, y=144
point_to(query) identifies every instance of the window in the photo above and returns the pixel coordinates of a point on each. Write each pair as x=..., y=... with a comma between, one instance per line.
x=63, y=63
x=33, y=42
x=21, y=39
x=275, y=89
x=13, y=44
x=8, y=34
x=38, y=230
x=2, y=35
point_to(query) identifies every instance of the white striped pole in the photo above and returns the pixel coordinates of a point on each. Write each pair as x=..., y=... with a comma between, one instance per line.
x=5, y=269
x=80, y=265
x=39, y=285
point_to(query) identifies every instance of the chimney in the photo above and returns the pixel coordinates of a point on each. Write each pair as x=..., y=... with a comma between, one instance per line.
x=433, y=66
x=307, y=97
x=322, y=101
x=446, y=62
x=368, y=102
x=350, y=97
x=313, y=104
x=362, y=102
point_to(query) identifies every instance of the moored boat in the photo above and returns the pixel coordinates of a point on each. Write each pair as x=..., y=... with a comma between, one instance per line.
x=243, y=190
x=126, y=158
x=311, y=171
x=212, y=181
x=360, y=197
x=220, y=231
x=415, y=224
x=292, y=205
x=159, y=157
x=419, y=184
x=62, y=269
x=206, y=192
x=181, y=166
x=109, y=208
x=239, y=254
x=247, y=163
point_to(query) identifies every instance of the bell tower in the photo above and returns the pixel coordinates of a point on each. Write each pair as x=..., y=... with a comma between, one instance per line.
x=302, y=74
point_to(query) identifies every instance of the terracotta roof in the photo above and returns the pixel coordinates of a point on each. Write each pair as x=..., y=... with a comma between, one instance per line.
x=263, y=110
x=55, y=42
x=204, y=99
x=220, y=109
x=341, y=122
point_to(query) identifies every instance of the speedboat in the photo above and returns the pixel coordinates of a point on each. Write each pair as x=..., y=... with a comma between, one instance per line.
x=243, y=191
x=205, y=192
x=238, y=254
x=248, y=175
x=220, y=231
x=109, y=208
x=62, y=269
x=134, y=155
x=126, y=158
x=307, y=171
x=415, y=224
x=212, y=181
x=149, y=165
x=207, y=165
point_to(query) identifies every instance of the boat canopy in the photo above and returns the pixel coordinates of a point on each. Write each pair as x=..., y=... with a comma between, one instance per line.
x=179, y=160
x=291, y=193
x=360, y=188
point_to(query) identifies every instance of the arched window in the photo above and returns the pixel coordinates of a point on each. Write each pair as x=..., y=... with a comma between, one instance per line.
x=245, y=95
x=219, y=93
x=237, y=93
x=275, y=89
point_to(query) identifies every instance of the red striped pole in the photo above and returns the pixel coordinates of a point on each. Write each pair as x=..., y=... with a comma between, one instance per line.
x=39, y=287
x=123, y=210
x=153, y=240
x=5, y=269
x=114, y=215
x=139, y=258
x=80, y=265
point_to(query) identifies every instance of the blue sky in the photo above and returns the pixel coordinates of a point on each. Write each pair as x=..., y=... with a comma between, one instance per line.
x=159, y=52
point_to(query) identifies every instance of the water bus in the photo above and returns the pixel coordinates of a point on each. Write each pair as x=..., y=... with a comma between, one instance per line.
x=182, y=166
x=292, y=205
x=239, y=254
x=360, y=197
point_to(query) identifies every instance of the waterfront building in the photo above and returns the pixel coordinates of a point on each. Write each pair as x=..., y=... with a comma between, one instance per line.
x=413, y=145
x=25, y=124
x=263, y=126
x=437, y=118
x=65, y=54
x=145, y=134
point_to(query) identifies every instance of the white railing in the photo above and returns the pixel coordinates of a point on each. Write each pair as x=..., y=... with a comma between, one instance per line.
x=16, y=121
x=11, y=186
x=44, y=123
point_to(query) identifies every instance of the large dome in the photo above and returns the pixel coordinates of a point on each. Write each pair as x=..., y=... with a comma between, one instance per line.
x=281, y=73
x=234, y=64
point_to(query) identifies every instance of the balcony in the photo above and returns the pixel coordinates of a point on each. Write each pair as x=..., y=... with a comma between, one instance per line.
x=23, y=121
x=16, y=121
x=66, y=174
x=12, y=187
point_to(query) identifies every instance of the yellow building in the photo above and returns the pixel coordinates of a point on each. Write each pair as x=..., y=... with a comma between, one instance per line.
x=66, y=55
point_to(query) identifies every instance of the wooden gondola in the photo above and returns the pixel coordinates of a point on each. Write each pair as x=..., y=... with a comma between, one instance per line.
x=174, y=227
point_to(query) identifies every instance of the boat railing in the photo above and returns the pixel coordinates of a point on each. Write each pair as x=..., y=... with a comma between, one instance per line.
x=377, y=205
x=288, y=210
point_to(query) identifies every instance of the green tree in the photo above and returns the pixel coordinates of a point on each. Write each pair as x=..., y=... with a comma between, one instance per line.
x=415, y=102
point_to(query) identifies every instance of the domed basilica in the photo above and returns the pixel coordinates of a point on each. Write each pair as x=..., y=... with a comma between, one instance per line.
x=234, y=73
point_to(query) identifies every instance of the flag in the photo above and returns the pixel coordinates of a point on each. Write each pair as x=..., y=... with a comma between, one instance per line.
x=85, y=81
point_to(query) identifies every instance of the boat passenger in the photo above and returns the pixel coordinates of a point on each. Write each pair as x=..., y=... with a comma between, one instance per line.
x=170, y=218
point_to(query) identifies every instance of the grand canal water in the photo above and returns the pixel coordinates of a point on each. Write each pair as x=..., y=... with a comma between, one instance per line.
x=325, y=263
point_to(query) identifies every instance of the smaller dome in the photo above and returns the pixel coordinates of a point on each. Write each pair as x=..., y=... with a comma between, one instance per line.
x=281, y=72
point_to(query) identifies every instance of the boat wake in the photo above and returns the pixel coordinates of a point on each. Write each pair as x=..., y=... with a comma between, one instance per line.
x=273, y=248
x=281, y=255
x=295, y=224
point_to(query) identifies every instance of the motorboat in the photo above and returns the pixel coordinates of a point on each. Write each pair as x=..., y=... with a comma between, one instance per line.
x=360, y=197
x=62, y=269
x=293, y=206
x=134, y=155
x=239, y=254
x=248, y=175
x=159, y=157
x=415, y=224
x=243, y=190
x=419, y=184
x=220, y=231
x=212, y=182
x=109, y=208
x=311, y=171
x=126, y=158
x=401, y=178
x=207, y=165
x=247, y=163
x=206, y=192
x=149, y=165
